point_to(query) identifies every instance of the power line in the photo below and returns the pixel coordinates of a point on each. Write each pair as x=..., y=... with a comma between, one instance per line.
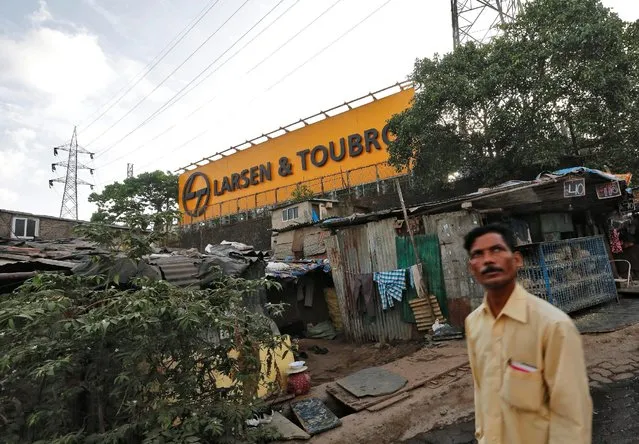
x=170, y=75
x=202, y=80
x=176, y=97
x=348, y=31
x=304, y=28
x=310, y=59
x=152, y=64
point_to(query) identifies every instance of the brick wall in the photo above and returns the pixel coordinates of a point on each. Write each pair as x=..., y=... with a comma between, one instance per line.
x=50, y=228
x=56, y=229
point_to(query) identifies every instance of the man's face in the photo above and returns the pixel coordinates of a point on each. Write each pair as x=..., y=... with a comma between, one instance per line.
x=492, y=263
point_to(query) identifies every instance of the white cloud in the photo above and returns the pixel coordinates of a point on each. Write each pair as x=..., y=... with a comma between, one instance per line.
x=21, y=137
x=12, y=164
x=65, y=66
x=8, y=197
x=42, y=14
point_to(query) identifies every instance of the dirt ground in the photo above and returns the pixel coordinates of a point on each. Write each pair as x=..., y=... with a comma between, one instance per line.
x=344, y=359
x=431, y=408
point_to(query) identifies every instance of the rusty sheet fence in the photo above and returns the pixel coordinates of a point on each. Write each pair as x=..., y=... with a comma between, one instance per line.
x=366, y=249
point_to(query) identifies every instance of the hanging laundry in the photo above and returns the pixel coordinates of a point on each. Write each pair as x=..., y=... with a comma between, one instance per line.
x=363, y=292
x=391, y=285
x=615, y=242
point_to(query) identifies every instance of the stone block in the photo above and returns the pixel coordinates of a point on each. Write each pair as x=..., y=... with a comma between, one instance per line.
x=606, y=365
x=622, y=376
x=602, y=371
x=598, y=378
x=623, y=369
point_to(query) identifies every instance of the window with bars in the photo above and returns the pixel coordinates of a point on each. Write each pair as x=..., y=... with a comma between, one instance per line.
x=24, y=227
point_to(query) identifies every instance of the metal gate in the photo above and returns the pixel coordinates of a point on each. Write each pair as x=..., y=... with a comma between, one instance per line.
x=571, y=274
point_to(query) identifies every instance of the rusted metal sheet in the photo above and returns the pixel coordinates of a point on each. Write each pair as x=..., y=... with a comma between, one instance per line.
x=339, y=278
x=458, y=309
x=389, y=324
x=365, y=249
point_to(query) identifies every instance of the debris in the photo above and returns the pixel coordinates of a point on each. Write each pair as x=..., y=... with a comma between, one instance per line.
x=286, y=429
x=314, y=416
x=445, y=332
x=319, y=350
x=323, y=330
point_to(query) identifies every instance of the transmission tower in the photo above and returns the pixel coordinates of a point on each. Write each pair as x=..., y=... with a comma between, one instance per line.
x=479, y=20
x=69, y=207
x=129, y=170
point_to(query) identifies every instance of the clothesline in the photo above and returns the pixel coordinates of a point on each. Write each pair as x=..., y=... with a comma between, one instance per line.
x=357, y=273
x=391, y=285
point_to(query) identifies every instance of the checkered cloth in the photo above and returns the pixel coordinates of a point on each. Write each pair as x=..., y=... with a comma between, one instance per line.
x=391, y=285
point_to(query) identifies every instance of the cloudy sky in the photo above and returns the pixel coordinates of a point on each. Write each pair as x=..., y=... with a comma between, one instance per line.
x=67, y=62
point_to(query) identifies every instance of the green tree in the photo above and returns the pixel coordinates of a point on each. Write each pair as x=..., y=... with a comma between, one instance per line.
x=559, y=87
x=86, y=360
x=155, y=192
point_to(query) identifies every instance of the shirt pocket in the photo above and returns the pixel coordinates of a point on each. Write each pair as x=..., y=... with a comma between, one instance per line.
x=522, y=390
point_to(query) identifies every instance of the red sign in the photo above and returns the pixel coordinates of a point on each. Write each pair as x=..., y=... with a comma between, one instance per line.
x=608, y=190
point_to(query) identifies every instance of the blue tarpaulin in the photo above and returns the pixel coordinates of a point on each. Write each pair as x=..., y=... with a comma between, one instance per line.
x=581, y=170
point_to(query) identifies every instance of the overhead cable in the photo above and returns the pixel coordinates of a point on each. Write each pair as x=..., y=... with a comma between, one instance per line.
x=151, y=65
x=168, y=77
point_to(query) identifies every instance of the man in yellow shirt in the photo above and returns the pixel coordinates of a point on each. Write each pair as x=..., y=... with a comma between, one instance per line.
x=526, y=355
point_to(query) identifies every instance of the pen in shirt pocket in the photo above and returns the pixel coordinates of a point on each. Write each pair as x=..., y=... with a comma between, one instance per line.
x=521, y=367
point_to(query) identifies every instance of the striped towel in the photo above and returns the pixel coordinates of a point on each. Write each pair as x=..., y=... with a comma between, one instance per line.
x=391, y=285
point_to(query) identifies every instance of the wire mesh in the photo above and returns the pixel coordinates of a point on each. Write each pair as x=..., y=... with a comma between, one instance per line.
x=571, y=274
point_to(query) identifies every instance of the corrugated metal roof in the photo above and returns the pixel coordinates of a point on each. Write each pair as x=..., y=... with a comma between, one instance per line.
x=181, y=271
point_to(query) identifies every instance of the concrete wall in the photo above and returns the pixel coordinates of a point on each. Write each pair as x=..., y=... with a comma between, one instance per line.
x=304, y=215
x=256, y=232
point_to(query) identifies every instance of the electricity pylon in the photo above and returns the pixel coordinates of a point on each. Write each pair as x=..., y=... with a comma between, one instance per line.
x=69, y=207
x=478, y=20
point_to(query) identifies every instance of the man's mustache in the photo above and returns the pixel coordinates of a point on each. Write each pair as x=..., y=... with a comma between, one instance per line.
x=490, y=269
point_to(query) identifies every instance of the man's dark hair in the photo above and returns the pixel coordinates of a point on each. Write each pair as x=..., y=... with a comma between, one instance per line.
x=505, y=232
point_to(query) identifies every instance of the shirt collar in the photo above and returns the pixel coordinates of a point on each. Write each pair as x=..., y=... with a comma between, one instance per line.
x=516, y=307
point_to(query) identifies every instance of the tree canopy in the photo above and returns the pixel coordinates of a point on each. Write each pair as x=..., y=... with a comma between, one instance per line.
x=559, y=87
x=86, y=359
x=155, y=192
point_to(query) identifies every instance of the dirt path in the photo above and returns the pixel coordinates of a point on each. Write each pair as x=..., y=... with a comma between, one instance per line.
x=343, y=359
x=610, y=357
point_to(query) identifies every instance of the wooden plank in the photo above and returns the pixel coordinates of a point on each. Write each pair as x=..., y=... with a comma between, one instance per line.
x=389, y=402
x=346, y=398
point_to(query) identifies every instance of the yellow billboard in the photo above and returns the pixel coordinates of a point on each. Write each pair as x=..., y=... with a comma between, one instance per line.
x=335, y=153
